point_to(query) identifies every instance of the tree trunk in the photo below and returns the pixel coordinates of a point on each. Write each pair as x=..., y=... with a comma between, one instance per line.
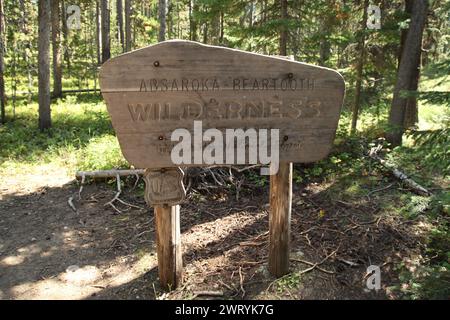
x=24, y=28
x=408, y=68
x=359, y=69
x=162, y=20
x=65, y=33
x=193, y=7
x=325, y=45
x=411, y=111
x=98, y=33
x=44, y=64
x=106, y=40
x=56, y=46
x=190, y=19
x=127, y=25
x=283, y=31
x=222, y=30
x=120, y=23
x=2, y=80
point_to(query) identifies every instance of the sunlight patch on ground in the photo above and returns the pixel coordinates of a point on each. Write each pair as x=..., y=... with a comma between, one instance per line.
x=213, y=231
x=81, y=282
x=33, y=179
x=24, y=252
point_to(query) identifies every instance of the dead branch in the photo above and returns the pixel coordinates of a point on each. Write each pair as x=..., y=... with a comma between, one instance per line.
x=350, y=263
x=312, y=264
x=241, y=281
x=417, y=188
x=108, y=173
x=116, y=198
x=83, y=178
x=208, y=293
x=71, y=205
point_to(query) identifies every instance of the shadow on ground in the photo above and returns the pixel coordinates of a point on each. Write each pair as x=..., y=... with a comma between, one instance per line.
x=48, y=251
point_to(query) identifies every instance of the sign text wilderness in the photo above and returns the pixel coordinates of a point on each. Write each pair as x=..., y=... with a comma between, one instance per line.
x=223, y=109
x=214, y=84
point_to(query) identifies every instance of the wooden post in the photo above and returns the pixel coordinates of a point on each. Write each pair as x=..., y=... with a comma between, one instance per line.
x=280, y=219
x=170, y=264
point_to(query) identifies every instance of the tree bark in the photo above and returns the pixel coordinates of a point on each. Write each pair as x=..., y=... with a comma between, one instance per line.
x=44, y=64
x=411, y=111
x=106, y=40
x=283, y=30
x=98, y=33
x=359, y=69
x=120, y=23
x=56, y=46
x=128, y=25
x=222, y=30
x=65, y=33
x=162, y=20
x=409, y=63
x=193, y=7
x=24, y=28
x=325, y=45
x=2, y=80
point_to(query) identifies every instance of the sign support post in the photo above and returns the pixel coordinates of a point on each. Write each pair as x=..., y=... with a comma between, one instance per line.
x=164, y=190
x=280, y=219
x=168, y=240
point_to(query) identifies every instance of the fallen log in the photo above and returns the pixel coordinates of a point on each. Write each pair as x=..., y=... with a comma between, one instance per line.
x=108, y=173
x=414, y=186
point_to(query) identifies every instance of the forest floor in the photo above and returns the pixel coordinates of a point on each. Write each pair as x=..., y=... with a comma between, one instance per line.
x=348, y=213
x=48, y=251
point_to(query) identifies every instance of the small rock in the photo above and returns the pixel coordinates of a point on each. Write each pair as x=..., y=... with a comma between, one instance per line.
x=72, y=268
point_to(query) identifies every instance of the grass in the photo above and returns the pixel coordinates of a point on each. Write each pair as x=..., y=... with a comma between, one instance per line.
x=81, y=137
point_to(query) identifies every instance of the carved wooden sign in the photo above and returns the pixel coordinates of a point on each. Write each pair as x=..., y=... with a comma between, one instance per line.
x=153, y=91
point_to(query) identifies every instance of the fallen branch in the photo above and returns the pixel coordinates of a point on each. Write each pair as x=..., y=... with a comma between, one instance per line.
x=313, y=265
x=71, y=205
x=116, y=198
x=208, y=293
x=316, y=265
x=83, y=178
x=347, y=262
x=108, y=173
x=241, y=282
x=417, y=188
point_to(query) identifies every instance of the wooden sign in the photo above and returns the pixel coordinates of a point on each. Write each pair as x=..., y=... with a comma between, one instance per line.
x=152, y=91
x=177, y=84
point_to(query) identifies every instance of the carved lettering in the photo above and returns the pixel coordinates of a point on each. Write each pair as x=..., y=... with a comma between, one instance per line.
x=213, y=84
x=226, y=109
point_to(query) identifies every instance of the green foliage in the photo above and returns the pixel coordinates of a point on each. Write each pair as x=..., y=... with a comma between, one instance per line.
x=429, y=277
x=101, y=153
x=289, y=281
x=81, y=137
x=415, y=206
x=433, y=147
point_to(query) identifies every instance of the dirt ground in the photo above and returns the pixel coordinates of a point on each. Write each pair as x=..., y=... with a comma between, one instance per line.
x=48, y=251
